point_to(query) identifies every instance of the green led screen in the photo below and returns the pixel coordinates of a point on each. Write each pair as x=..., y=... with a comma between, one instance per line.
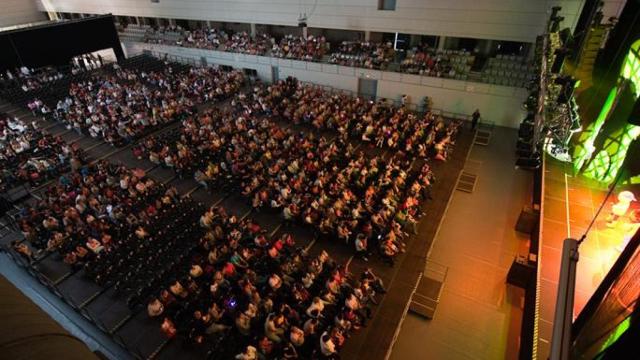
x=603, y=164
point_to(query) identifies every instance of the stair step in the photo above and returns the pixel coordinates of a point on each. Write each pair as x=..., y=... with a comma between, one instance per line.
x=467, y=182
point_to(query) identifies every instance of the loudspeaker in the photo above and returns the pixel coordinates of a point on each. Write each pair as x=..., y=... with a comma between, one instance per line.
x=520, y=273
x=523, y=145
x=527, y=220
x=523, y=153
x=634, y=117
x=526, y=130
x=529, y=163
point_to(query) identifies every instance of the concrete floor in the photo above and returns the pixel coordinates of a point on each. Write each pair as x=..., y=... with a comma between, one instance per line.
x=62, y=313
x=479, y=315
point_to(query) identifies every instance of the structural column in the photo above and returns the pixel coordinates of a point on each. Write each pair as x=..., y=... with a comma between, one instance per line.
x=367, y=35
x=441, y=41
x=414, y=40
x=488, y=47
x=253, y=30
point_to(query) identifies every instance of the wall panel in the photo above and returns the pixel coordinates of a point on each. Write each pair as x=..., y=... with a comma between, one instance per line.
x=17, y=12
x=516, y=20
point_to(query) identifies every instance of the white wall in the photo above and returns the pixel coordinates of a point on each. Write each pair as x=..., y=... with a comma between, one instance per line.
x=17, y=12
x=516, y=20
x=612, y=8
x=501, y=105
x=498, y=104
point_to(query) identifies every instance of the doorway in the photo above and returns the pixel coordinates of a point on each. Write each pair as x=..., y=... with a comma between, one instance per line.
x=367, y=88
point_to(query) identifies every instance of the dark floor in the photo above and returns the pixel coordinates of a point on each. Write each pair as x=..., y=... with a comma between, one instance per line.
x=141, y=335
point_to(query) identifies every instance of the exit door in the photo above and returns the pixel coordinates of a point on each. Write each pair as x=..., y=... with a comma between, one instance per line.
x=367, y=88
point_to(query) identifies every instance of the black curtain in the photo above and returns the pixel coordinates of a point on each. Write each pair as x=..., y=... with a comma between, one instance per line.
x=57, y=43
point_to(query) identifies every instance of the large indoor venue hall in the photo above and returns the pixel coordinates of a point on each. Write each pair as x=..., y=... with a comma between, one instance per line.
x=319, y=179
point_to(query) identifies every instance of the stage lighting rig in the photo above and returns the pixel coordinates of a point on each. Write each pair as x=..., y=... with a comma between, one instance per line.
x=555, y=20
x=303, y=18
x=555, y=23
x=552, y=115
x=302, y=21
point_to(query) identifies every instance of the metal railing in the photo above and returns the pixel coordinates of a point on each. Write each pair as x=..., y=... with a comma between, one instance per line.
x=394, y=69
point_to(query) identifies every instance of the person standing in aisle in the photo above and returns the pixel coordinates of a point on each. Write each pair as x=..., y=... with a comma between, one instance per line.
x=474, y=119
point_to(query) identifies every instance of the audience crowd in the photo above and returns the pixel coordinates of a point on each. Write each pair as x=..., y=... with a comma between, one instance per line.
x=213, y=39
x=419, y=59
x=368, y=202
x=210, y=278
x=27, y=79
x=298, y=48
x=253, y=295
x=365, y=54
x=125, y=104
x=27, y=156
x=427, y=61
x=82, y=214
x=263, y=298
x=376, y=123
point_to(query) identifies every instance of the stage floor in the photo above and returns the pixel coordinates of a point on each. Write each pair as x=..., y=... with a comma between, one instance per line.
x=570, y=203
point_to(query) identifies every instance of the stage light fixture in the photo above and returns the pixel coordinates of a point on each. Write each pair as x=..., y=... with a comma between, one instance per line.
x=555, y=23
x=523, y=144
x=524, y=153
x=525, y=131
x=530, y=163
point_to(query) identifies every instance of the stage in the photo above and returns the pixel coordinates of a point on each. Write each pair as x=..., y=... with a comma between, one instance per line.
x=569, y=205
